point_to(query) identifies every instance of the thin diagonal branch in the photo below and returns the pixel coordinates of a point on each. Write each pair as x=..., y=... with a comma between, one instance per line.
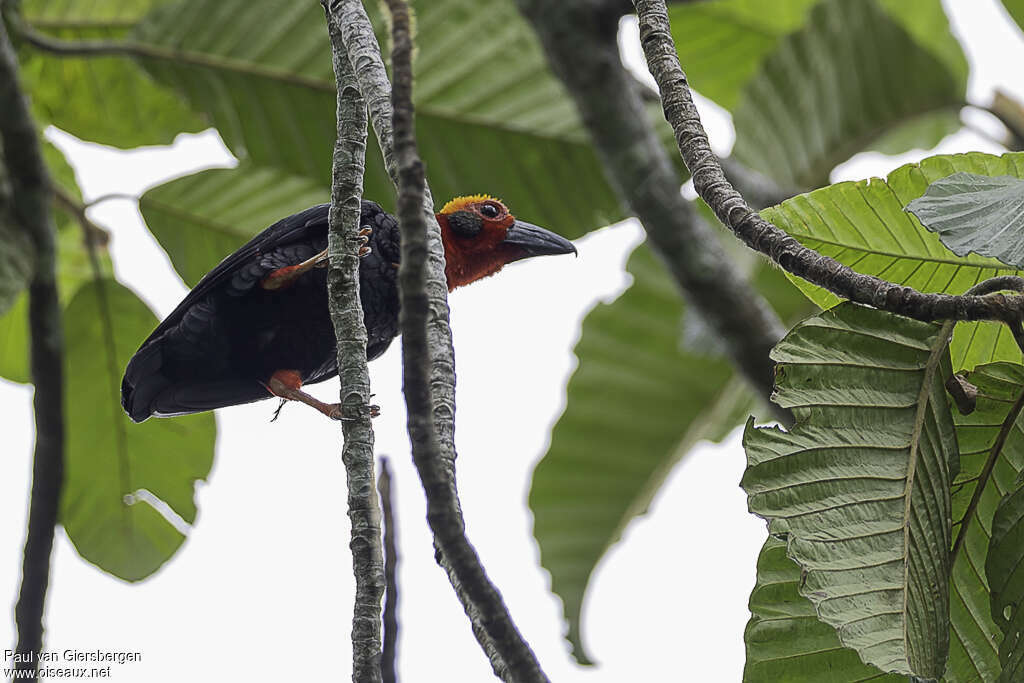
x=31, y=199
x=350, y=331
x=759, y=234
x=580, y=42
x=510, y=656
x=388, y=654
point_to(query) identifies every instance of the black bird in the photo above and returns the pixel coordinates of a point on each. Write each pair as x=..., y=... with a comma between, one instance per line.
x=258, y=326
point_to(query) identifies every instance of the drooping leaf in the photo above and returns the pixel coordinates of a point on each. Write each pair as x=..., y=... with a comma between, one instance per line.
x=201, y=218
x=862, y=224
x=106, y=99
x=976, y=214
x=991, y=457
x=852, y=71
x=115, y=468
x=785, y=640
x=721, y=43
x=861, y=483
x=485, y=123
x=636, y=393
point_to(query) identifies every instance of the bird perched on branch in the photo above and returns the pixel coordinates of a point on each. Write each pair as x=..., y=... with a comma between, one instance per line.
x=258, y=325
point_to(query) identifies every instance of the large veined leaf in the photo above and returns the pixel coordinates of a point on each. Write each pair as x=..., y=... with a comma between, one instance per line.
x=635, y=393
x=991, y=442
x=201, y=218
x=105, y=99
x=784, y=636
x=860, y=484
x=121, y=478
x=1005, y=570
x=862, y=224
x=261, y=69
x=721, y=43
x=785, y=641
x=976, y=213
x=852, y=72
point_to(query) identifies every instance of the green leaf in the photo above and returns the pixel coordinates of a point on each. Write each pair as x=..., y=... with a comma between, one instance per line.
x=976, y=213
x=722, y=43
x=73, y=268
x=636, y=394
x=106, y=99
x=784, y=638
x=1015, y=8
x=1004, y=566
x=632, y=393
x=853, y=71
x=114, y=467
x=485, y=123
x=861, y=482
x=991, y=457
x=201, y=218
x=862, y=224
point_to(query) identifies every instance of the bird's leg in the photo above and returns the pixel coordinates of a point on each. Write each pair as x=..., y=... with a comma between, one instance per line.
x=285, y=384
x=282, y=277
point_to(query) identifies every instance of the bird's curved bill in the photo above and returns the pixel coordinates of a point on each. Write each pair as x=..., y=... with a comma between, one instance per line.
x=536, y=241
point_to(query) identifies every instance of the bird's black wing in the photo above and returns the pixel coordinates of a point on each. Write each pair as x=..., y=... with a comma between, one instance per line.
x=294, y=228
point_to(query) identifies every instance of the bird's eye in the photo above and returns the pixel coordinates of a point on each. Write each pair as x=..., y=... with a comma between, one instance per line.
x=489, y=211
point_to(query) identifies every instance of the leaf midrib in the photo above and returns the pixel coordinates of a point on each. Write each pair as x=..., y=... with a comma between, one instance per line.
x=939, y=346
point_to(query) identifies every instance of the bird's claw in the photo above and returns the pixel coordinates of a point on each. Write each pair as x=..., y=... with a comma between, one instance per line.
x=364, y=251
x=366, y=231
x=277, y=412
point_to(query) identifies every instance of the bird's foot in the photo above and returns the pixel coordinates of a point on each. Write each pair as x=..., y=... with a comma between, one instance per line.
x=364, y=240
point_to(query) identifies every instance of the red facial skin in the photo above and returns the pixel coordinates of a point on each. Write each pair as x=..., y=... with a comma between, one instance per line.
x=468, y=259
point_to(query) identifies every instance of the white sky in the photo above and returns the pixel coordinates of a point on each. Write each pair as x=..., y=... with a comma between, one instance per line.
x=262, y=588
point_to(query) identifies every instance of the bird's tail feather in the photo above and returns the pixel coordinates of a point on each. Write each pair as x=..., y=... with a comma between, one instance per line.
x=146, y=391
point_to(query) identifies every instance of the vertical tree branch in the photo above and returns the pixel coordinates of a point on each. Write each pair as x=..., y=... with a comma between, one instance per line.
x=350, y=331
x=433, y=383
x=31, y=199
x=579, y=37
x=388, y=654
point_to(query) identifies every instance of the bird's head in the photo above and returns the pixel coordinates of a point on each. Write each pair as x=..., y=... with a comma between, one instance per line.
x=481, y=236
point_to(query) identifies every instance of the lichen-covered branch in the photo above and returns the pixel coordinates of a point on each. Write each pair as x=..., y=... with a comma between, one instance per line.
x=579, y=37
x=736, y=214
x=388, y=654
x=350, y=331
x=31, y=198
x=510, y=656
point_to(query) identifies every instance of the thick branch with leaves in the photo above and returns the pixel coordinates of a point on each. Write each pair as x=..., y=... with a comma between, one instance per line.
x=736, y=214
x=350, y=332
x=427, y=346
x=31, y=199
x=580, y=41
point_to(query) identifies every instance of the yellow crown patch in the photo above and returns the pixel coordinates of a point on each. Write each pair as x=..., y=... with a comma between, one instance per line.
x=460, y=203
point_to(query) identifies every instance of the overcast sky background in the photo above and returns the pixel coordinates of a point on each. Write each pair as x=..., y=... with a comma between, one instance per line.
x=262, y=588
